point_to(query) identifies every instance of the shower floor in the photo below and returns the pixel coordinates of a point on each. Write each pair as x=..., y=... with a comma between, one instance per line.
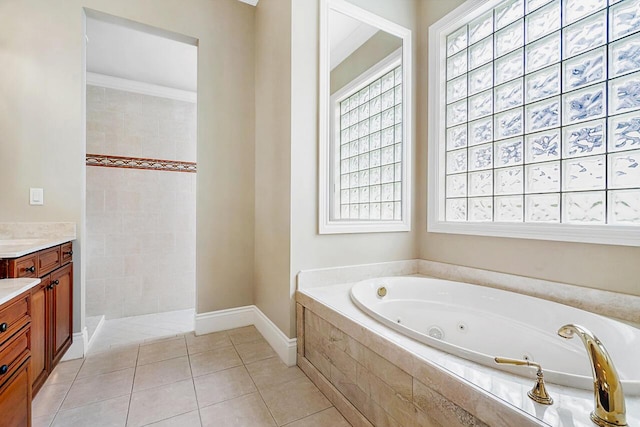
x=138, y=329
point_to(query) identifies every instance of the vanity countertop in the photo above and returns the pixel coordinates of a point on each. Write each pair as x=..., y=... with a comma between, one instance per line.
x=14, y=248
x=10, y=288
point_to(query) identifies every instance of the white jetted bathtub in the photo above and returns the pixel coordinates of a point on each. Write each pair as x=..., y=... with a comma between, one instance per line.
x=478, y=323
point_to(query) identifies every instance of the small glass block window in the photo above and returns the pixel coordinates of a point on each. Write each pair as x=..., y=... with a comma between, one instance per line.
x=543, y=114
x=369, y=186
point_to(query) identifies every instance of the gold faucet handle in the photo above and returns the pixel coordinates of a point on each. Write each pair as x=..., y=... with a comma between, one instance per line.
x=539, y=392
x=518, y=362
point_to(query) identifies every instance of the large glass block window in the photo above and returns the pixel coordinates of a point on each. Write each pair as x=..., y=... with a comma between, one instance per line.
x=369, y=181
x=541, y=115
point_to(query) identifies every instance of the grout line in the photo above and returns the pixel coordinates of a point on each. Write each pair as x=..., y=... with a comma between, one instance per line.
x=310, y=415
x=169, y=418
x=258, y=391
x=163, y=360
x=193, y=383
x=195, y=392
x=66, y=394
x=135, y=369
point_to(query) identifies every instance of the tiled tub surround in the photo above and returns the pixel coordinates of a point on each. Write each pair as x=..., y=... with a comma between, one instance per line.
x=140, y=222
x=351, y=357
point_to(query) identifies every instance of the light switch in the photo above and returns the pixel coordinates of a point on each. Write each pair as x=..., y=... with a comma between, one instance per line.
x=36, y=196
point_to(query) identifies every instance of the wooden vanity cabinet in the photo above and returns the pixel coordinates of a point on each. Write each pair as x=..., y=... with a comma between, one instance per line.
x=51, y=307
x=15, y=362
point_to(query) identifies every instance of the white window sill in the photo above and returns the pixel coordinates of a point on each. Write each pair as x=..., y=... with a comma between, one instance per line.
x=605, y=234
x=353, y=226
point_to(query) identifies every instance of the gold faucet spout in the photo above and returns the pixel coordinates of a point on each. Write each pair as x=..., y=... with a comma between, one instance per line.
x=607, y=390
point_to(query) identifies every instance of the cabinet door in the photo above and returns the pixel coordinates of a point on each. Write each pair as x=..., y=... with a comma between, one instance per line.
x=15, y=399
x=60, y=306
x=38, y=334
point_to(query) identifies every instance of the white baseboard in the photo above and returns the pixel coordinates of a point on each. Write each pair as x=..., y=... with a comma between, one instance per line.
x=222, y=320
x=78, y=347
x=283, y=345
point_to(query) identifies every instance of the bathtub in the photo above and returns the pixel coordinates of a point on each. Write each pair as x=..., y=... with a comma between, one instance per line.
x=478, y=323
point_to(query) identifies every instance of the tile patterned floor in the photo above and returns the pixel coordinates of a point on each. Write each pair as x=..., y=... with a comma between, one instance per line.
x=230, y=378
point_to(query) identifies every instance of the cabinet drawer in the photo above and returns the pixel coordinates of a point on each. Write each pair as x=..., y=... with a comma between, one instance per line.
x=13, y=316
x=27, y=266
x=67, y=253
x=12, y=353
x=48, y=260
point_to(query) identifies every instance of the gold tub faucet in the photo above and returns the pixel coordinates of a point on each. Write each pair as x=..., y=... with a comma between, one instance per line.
x=539, y=392
x=607, y=390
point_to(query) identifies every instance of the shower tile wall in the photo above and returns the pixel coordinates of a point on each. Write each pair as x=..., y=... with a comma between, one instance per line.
x=140, y=223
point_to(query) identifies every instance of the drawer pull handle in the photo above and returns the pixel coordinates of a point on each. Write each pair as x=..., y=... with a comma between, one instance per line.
x=3, y=326
x=3, y=369
x=31, y=269
x=67, y=253
x=55, y=282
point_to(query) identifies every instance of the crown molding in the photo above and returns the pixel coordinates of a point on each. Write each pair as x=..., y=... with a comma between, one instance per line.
x=251, y=2
x=118, y=83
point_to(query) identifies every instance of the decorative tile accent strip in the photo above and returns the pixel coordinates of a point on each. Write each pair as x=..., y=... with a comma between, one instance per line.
x=140, y=163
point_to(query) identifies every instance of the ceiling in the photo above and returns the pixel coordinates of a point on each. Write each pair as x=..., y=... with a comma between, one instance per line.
x=131, y=51
x=346, y=34
x=140, y=54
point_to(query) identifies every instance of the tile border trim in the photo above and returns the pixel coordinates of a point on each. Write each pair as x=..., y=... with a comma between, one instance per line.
x=222, y=320
x=108, y=161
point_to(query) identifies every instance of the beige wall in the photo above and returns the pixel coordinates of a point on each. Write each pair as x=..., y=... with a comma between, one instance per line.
x=308, y=248
x=42, y=125
x=613, y=268
x=141, y=224
x=42, y=144
x=374, y=50
x=273, y=159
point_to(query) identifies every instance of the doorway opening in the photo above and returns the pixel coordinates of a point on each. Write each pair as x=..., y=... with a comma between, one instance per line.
x=141, y=138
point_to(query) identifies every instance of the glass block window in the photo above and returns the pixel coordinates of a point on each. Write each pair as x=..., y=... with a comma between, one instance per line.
x=369, y=183
x=541, y=115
